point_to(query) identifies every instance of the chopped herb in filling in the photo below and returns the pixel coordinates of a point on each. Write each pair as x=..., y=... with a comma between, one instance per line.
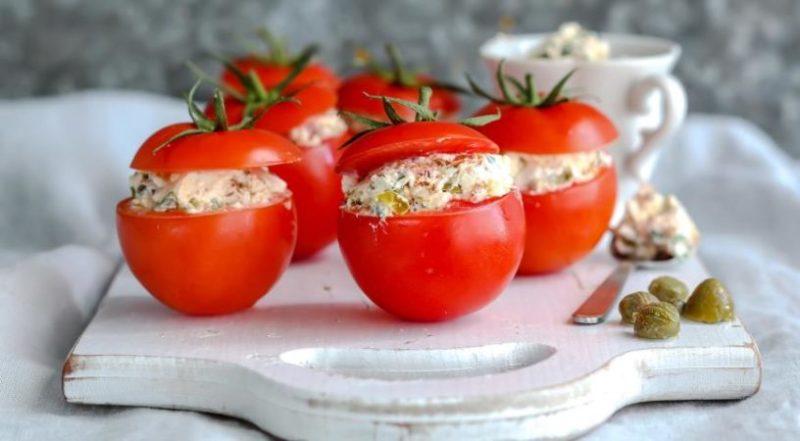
x=537, y=174
x=204, y=191
x=428, y=183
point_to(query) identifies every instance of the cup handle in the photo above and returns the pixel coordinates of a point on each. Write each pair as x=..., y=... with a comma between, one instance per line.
x=673, y=109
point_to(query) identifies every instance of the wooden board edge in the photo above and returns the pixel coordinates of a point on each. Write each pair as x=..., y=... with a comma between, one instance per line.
x=555, y=412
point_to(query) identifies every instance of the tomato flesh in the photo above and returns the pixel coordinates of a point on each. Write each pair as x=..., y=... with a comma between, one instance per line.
x=439, y=265
x=208, y=263
x=564, y=226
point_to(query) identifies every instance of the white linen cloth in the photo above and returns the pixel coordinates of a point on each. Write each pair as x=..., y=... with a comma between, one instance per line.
x=63, y=166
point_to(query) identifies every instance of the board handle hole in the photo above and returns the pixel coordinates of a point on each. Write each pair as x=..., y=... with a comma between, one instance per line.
x=413, y=364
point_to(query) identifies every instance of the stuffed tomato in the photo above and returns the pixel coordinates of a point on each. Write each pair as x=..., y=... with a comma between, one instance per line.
x=209, y=228
x=568, y=182
x=273, y=65
x=306, y=115
x=397, y=82
x=432, y=227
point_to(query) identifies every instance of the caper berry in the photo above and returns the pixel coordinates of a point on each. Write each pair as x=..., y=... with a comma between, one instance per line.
x=657, y=321
x=710, y=302
x=669, y=289
x=632, y=302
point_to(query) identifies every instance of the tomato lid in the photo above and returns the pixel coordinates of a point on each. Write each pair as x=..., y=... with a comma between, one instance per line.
x=394, y=81
x=401, y=141
x=542, y=124
x=353, y=98
x=276, y=63
x=233, y=149
x=272, y=74
x=282, y=116
x=568, y=127
x=311, y=100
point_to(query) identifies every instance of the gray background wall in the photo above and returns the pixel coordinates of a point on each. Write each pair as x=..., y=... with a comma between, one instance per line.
x=740, y=56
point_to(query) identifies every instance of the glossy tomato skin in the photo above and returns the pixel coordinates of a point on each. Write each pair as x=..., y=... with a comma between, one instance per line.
x=564, y=226
x=435, y=266
x=208, y=263
x=316, y=188
x=317, y=192
x=271, y=74
x=569, y=127
x=237, y=149
x=352, y=98
x=401, y=141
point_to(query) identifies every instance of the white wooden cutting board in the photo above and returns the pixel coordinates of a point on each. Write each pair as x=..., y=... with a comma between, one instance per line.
x=316, y=360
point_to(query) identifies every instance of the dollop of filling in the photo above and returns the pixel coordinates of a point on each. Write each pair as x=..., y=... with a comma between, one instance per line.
x=206, y=191
x=537, y=174
x=317, y=129
x=573, y=41
x=427, y=183
x=654, y=227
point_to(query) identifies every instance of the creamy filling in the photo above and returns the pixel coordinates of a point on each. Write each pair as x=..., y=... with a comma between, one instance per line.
x=427, y=183
x=317, y=129
x=655, y=227
x=537, y=174
x=206, y=191
x=573, y=41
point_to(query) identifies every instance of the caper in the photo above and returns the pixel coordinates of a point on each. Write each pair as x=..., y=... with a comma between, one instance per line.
x=395, y=202
x=632, y=302
x=669, y=289
x=657, y=321
x=710, y=302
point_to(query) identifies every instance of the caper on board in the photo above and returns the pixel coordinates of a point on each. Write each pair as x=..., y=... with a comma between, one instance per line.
x=657, y=321
x=632, y=302
x=669, y=289
x=710, y=302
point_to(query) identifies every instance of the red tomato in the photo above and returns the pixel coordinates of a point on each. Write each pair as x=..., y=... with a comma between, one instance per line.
x=316, y=188
x=439, y=265
x=271, y=74
x=352, y=98
x=433, y=265
x=562, y=226
x=414, y=139
x=569, y=127
x=317, y=192
x=209, y=263
x=238, y=149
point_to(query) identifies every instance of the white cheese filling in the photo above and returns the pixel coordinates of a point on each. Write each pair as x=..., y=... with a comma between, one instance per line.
x=317, y=129
x=427, y=183
x=573, y=41
x=537, y=174
x=206, y=191
x=655, y=227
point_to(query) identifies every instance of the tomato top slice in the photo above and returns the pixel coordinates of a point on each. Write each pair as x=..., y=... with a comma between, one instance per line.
x=271, y=74
x=236, y=149
x=401, y=141
x=283, y=117
x=352, y=98
x=568, y=127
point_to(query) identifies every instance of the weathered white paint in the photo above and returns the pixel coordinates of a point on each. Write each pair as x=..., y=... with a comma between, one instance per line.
x=315, y=360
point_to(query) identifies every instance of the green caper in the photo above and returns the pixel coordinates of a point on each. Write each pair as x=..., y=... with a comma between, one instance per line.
x=632, y=302
x=657, y=321
x=669, y=289
x=395, y=202
x=710, y=302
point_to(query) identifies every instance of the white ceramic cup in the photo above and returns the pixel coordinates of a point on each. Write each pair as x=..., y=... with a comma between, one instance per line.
x=634, y=88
